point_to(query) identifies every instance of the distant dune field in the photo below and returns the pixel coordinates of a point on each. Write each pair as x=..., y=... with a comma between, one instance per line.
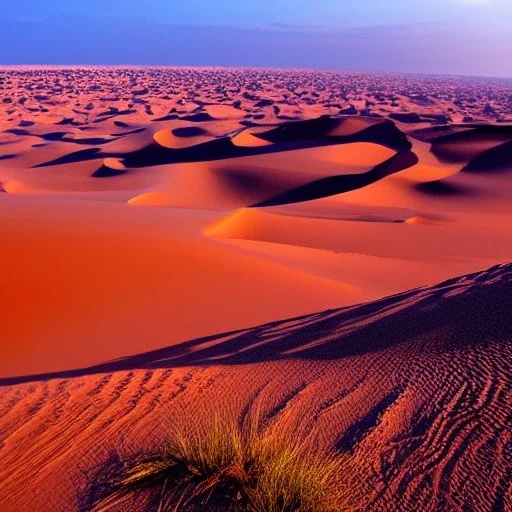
x=179, y=242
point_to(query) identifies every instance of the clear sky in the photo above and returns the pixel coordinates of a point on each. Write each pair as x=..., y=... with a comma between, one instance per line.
x=429, y=36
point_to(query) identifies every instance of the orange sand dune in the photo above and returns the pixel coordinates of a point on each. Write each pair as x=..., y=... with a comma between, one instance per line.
x=460, y=145
x=95, y=271
x=245, y=181
x=145, y=211
x=340, y=188
x=413, y=390
x=371, y=234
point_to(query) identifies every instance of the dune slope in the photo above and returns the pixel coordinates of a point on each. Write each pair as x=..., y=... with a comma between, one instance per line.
x=414, y=389
x=145, y=211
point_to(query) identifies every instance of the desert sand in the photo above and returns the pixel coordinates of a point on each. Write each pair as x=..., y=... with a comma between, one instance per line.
x=182, y=241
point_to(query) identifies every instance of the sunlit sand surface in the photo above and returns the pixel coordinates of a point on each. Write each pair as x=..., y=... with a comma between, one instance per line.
x=145, y=213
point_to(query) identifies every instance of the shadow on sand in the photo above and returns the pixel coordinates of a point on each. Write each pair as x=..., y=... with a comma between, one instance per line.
x=473, y=309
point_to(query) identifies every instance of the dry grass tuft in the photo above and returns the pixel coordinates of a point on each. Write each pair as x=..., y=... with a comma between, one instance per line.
x=227, y=465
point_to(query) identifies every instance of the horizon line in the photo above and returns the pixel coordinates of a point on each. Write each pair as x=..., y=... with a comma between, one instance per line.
x=249, y=67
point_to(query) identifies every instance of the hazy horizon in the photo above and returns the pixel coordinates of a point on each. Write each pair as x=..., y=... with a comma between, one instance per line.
x=120, y=65
x=446, y=37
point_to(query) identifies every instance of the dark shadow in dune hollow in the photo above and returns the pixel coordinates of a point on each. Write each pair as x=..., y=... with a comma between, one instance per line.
x=495, y=160
x=454, y=133
x=107, y=172
x=188, y=131
x=290, y=136
x=344, y=183
x=442, y=188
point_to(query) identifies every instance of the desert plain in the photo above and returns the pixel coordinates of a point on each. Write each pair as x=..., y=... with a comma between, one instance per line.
x=182, y=242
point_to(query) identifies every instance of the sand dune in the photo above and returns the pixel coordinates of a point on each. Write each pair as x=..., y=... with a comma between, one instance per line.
x=495, y=159
x=422, y=408
x=106, y=271
x=467, y=144
x=145, y=211
x=299, y=200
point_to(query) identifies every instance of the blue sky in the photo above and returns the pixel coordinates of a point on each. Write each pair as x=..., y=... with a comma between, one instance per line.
x=431, y=36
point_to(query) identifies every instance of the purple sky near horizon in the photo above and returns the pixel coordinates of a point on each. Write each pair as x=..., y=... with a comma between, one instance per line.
x=425, y=36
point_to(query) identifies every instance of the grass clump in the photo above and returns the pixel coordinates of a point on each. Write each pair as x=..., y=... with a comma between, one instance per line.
x=231, y=466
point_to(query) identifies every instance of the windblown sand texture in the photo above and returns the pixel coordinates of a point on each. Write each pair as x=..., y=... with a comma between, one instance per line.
x=146, y=211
